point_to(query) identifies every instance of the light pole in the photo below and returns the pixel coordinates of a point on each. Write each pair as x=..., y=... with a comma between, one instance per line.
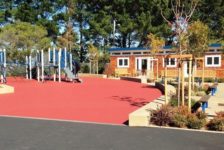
x=114, y=28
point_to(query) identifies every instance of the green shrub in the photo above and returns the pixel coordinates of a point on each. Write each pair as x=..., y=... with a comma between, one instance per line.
x=217, y=123
x=85, y=68
x=221, y=80
x=193, y=102
x=200, y=93
x=162, y=116
x=174, y=101
x=16, y=71
x=179, y=118
x=199, y=89
x=193, y=122
x=201, y=115
x=209, y=79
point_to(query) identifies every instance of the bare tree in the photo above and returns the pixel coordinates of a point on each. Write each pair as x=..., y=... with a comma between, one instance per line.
x=182, y=11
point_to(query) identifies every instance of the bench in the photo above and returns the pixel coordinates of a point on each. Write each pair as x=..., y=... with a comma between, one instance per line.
x=121, y=72
x=204, y=102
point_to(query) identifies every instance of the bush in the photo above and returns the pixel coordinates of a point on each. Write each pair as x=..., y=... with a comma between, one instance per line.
x=85, y=68
x=200, y=93
x=162, y=116
x=221, y=80
x=217, y=123
x=179, y=118
x=193, y=122
x=209, y=79
x=220, y=114
x=200, y=89
x=201, y=115
x=174, y=101
x=16, y=71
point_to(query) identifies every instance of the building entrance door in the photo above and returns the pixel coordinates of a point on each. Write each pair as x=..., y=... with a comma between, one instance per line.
x=143, y=65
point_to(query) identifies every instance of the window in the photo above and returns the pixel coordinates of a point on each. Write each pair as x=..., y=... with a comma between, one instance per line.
x=123, y=62
x=126, y=53
x=170, y=62
x=137, y=53
x=116, y=53
x=213, y=60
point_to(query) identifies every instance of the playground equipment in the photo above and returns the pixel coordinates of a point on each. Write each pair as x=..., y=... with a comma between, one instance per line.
x=3, y=65
x=55, y=61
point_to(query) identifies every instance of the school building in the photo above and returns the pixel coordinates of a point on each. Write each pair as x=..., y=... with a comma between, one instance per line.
x=139, y=61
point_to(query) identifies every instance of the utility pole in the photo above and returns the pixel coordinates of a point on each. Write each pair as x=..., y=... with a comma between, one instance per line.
x=114, y=28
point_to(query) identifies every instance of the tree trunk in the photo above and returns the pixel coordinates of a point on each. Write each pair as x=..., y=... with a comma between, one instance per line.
x=165, y=83
x=203, y=72
x=193, y=72
x=189, y=86
x=182, y=83
x=129, y=40
x=124, y=40
x=178, y=88
x=81, y=53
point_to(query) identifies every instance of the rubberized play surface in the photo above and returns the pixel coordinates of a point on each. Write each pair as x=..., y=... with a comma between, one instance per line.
x=94, y=100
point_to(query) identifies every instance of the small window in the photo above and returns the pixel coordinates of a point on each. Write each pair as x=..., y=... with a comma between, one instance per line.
x=170, y=62
x=116, y=53
x=137, y=53
x=123, y=62
x=213, y=60
x=146, y=53
x=216, y=60
x=209, y=60
x=126, y=53
x=120, y=62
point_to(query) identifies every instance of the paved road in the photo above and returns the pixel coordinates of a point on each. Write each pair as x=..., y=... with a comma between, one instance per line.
x=28, y=134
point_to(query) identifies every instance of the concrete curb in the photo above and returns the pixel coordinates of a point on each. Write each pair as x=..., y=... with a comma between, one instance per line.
x=181, y=129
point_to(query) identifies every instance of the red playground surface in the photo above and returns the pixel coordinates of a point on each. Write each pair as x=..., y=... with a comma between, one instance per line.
x=94, y=100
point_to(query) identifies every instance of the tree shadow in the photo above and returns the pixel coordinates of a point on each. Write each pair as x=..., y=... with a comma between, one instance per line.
x=137, y=102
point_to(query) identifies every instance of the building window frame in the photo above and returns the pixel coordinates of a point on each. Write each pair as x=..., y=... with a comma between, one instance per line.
x=169, y=65
x=212, y=64
x=122, y=59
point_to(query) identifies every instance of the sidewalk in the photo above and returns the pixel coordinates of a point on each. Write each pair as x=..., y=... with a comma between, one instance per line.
x=216, y=102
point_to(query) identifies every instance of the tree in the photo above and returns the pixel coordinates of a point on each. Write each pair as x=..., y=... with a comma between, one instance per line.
x=7, y=11
x=198, y=39
x=93, y=57
x=214, y=19
x=68, y=39
x=182, y=11
x=39, y=12
x=23, y=38
x=155, y=43
x=81, y=16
